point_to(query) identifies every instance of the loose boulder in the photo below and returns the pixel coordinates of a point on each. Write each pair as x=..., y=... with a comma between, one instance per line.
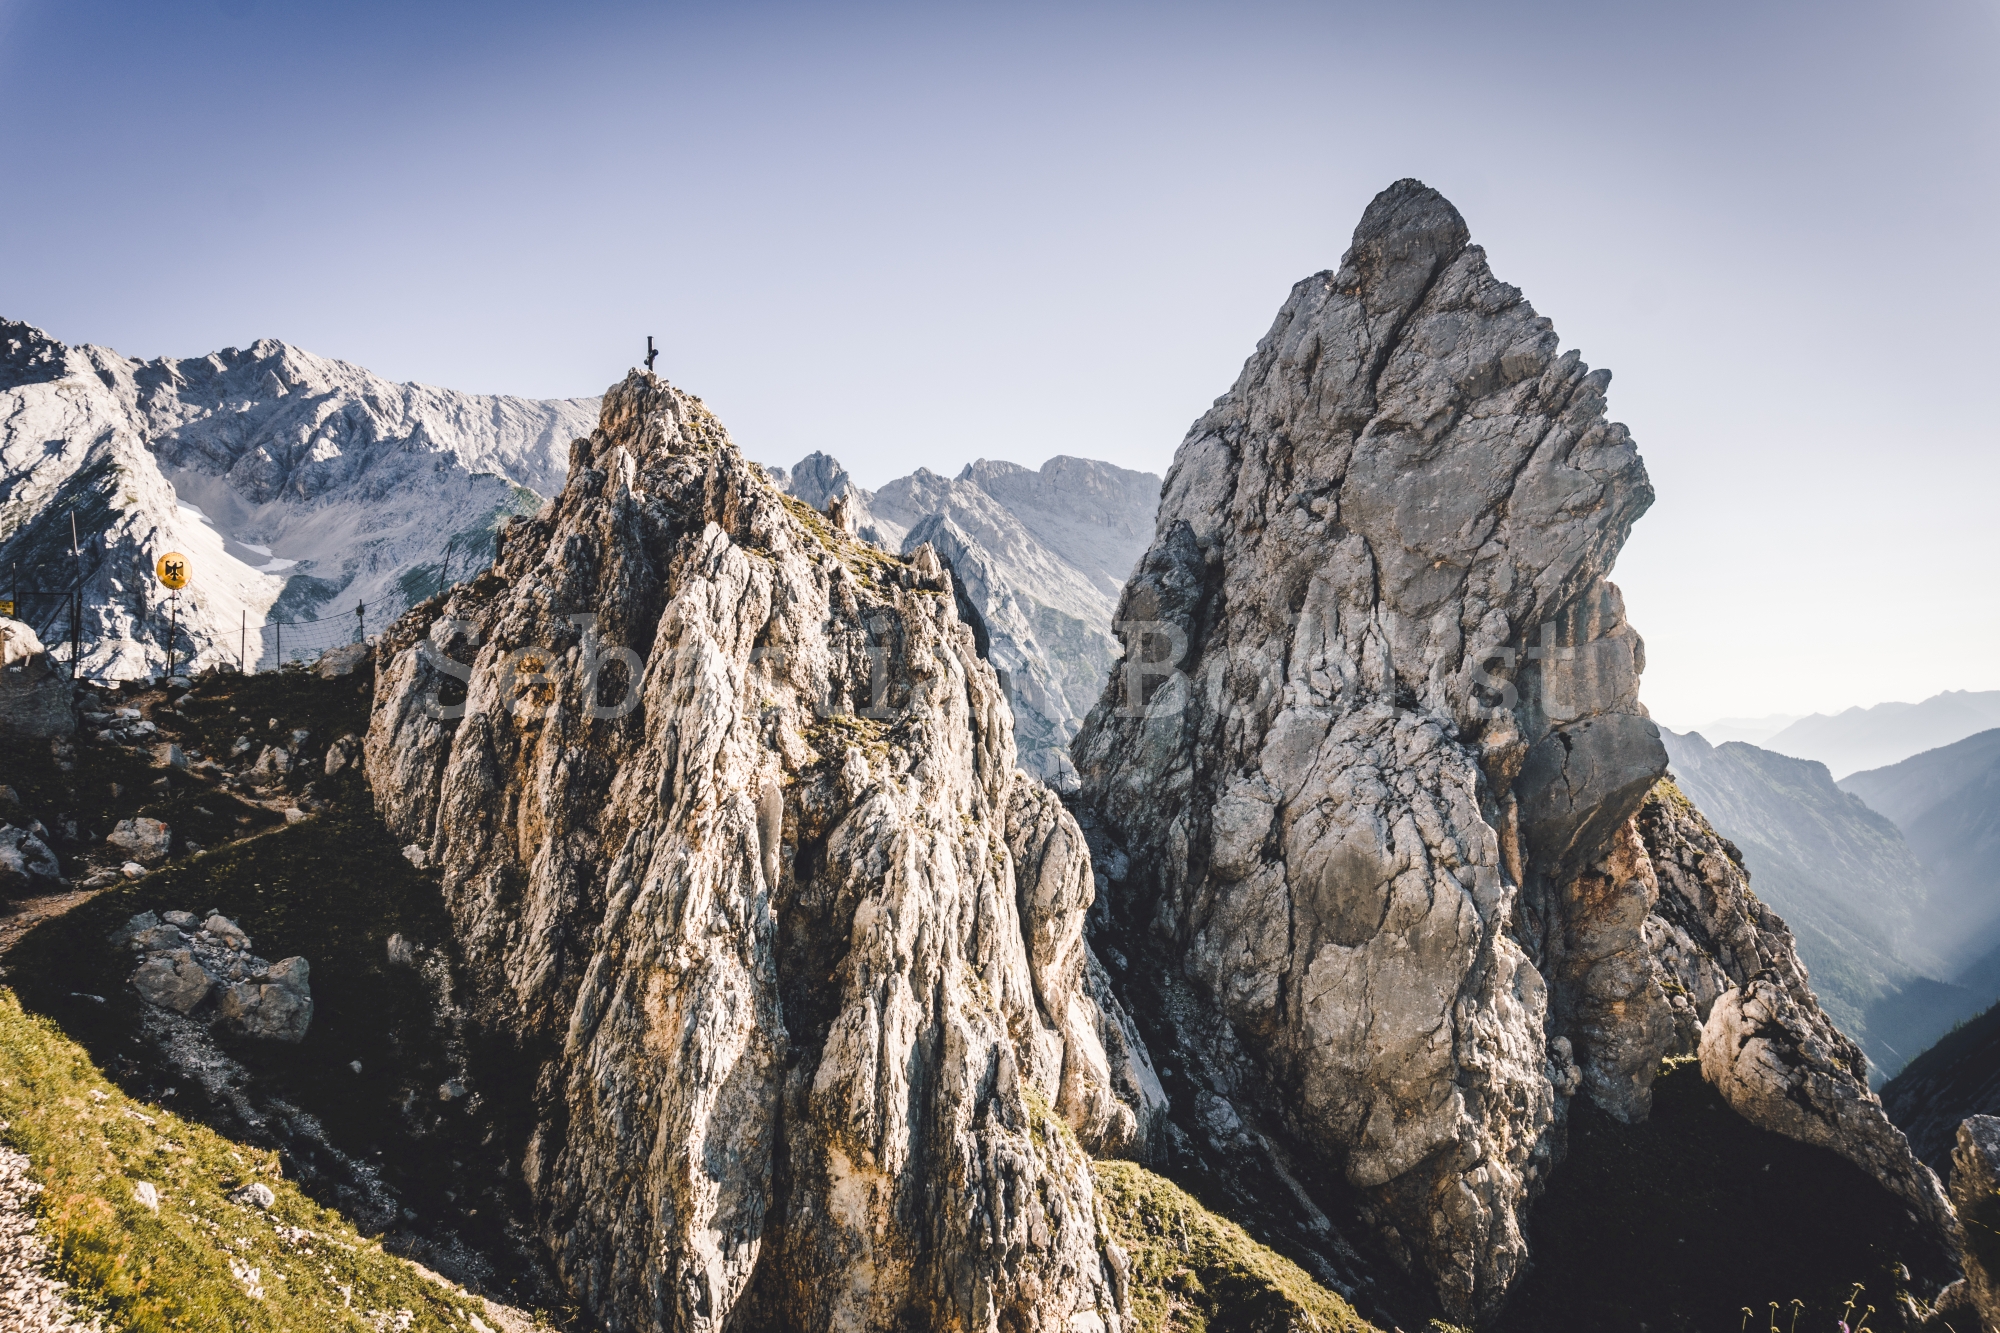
x=342, y=753
x=173, y=981
x=147, y=841
x=344, y=660
x=27, y=866
x=278, y=1008
x=226, y=931
x=272, y=764
x=183, y=961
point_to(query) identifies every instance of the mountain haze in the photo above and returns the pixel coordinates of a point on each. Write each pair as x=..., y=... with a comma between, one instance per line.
x=1855, y=895
x=1947, y=803
x=1863, y=738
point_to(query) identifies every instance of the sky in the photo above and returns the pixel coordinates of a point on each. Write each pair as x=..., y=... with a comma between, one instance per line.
x=918, y=234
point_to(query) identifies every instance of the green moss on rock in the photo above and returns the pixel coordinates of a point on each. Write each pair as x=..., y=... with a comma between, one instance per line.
x=1191, y=1271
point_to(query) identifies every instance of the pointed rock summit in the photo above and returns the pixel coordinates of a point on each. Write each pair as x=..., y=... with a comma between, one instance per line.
x=1372, y=759
x=732, y=831
x=1372, y=842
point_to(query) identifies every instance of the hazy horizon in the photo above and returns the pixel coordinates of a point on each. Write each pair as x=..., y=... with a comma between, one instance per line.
x=916, y=235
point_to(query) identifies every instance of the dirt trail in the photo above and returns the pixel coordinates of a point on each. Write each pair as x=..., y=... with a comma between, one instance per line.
x=31, y=912
x=90, y=869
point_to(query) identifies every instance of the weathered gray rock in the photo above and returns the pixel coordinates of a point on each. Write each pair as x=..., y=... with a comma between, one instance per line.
x=342, y=753
x=27, y=866
x=155, y=938
x=1975, y=1189
x=343, y=660
x=1377, y=713
x=1765, y=1043
x=1374, y=755
x=273, y=763
x=185, y=960
x=1037, y=558
x=147, y=841
x=765, y=904
x=1109, y=1095
x=227, y=932
x=278, y=1008
x=133, y=927
x=173, y=980
x=36, y=697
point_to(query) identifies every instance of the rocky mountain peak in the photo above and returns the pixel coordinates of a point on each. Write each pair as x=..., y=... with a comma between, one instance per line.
x=28, y=356
x=1373, y=757
x=291, y=479
x=745, y=857
x=816, y=479
x=1406, y=235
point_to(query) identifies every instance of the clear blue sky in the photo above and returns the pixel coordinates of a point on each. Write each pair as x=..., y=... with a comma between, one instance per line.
x=918, y=234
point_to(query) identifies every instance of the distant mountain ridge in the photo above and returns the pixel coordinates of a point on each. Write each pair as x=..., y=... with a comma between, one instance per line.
x=1856, y=896
x=1040, y=555
x=294, y=482
x=1947, y=803
x=1755, y=730
x=1857, y=739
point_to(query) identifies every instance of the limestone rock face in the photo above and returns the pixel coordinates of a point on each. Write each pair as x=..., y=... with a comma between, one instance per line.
x=1376, y=737
x=730, y=826
x=1374, y=766
x=1975, y=1188
x=1037, y=558
x=1764, y=1041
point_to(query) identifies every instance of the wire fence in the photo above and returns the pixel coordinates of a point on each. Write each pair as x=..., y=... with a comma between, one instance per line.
x=274, y=643
x=55, y=615
x=304, y=641
x=62, y=619
x=48, y=614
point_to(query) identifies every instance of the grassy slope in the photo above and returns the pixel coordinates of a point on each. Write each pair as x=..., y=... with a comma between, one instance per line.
x=333, y=889
x=202, y=1261
x=1192, y=1271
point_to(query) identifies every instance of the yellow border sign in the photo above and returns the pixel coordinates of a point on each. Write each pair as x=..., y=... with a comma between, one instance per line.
x=173, y=570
